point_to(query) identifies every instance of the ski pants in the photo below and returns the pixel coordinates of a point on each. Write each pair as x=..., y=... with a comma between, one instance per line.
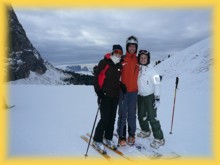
x=105, y=126
x=127, y=113
x=147, y=114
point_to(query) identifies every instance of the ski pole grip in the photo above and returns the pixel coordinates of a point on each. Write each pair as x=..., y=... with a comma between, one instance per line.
x=177, y=81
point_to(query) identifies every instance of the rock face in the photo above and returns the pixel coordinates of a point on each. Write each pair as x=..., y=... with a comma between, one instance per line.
x=22, y=55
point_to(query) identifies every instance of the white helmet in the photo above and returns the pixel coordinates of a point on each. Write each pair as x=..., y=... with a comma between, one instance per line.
x=132, y=40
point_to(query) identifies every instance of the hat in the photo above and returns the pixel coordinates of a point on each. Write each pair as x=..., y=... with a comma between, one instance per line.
x=117, y=47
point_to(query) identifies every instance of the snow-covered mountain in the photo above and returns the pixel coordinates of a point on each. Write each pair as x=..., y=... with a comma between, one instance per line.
x=87, y=66
x=23, y=56
x=86, y=69
x=48, y=120
x=52, y=76
x=195, y=59
x=25, y=64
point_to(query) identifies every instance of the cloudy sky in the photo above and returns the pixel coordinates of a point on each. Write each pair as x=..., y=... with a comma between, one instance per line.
x=79, y=35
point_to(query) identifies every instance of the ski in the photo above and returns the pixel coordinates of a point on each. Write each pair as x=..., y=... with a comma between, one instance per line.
x=106, y=156
x=148, y=154
x=116, y=151
x=162, y=152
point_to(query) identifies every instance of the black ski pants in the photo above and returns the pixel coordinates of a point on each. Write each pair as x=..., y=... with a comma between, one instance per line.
x=105, y=126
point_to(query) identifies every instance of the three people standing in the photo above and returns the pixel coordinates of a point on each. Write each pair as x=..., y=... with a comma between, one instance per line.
x=124, y=81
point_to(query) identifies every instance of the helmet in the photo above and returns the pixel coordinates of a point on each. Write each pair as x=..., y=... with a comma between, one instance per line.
x=132, y=40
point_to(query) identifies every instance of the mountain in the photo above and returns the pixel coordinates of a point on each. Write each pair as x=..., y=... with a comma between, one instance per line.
x=195, y=59
x=23, y=56
x=85, y=69
x=52, y=76
x=76, y=68
x=26, y=66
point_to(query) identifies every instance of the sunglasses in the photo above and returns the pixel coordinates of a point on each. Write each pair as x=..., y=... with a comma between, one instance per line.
x=118, y=51
x=143, y=52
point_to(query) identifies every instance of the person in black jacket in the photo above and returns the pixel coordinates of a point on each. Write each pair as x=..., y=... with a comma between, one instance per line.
x=107, y=87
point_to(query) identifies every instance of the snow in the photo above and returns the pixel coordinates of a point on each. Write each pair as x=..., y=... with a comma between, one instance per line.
x=51, y=77
x=49, y=119
x=85, y=73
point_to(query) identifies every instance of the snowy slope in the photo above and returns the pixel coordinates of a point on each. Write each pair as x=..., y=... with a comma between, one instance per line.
x=51, y=77
x=192, y=60
x=48, y=120
x=193, y=111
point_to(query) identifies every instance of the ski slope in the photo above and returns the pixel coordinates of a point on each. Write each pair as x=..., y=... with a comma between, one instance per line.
x=49, y=119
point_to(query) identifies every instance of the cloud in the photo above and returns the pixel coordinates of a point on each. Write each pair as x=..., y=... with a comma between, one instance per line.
x=82, y=35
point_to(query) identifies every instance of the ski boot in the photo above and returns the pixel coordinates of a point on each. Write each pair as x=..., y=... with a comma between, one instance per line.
x=157, y=143
x=109, y=143
x=143, y=134
x=99, y=146
x=122, y=142
x=131, y=140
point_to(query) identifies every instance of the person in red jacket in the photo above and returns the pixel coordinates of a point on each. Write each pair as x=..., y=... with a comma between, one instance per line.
x=128, y=99
x=107, y=88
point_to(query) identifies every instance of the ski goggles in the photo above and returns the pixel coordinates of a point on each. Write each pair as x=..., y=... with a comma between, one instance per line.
x=143, y=52
x=117, y=51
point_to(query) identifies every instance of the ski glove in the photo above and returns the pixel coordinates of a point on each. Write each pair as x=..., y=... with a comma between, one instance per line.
x=123, y=88
x=156, y=102
x=100, y=95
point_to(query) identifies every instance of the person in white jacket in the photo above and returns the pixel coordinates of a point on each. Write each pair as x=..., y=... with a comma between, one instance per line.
x=149, y=100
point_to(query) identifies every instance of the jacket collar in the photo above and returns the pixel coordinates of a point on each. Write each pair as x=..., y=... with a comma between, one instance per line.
x=130, y=55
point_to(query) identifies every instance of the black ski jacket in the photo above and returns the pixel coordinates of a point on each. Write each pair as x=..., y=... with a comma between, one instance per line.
x=107, y=77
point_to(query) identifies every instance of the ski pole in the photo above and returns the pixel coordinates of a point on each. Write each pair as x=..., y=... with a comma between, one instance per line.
x=120, y=120
x=177, y=81
x=86, y=154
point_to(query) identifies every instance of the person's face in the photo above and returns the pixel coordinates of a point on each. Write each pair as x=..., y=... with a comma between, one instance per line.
x=143, y=59
x=117, y=53
x=132, y=48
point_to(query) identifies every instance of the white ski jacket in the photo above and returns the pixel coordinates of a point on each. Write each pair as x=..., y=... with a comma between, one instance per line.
x=148, y=81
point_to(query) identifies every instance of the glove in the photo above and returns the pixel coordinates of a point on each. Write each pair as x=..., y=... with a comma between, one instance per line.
x=123, y=87
x=156, y=102
x=100, y=95
x=95, y=70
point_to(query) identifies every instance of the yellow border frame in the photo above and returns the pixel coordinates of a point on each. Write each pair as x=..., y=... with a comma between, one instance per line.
x=214, y=4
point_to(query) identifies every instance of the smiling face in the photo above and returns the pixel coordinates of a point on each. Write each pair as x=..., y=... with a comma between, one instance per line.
x=132, y=48
x=143, y=59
